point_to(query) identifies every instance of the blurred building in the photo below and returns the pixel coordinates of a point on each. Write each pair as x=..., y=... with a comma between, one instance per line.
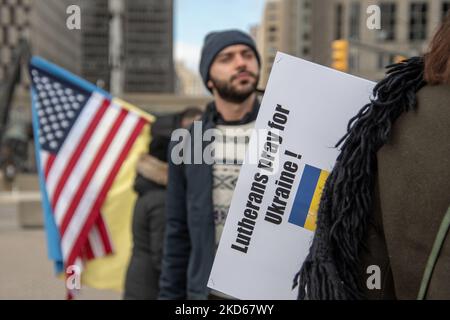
x=145, y=48
x=254, y=29
x=406, y=28
x=95, y=66
x=148, y=46
x=306, y=29
x=43, y=24
x=188, y=82
x=286, y=27
x=166, y=103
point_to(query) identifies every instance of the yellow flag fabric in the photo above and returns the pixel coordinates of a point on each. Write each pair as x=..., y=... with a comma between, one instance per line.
x=117, y=211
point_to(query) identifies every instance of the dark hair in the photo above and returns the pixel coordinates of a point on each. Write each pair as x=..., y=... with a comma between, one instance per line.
x=437, y=59
x=331, y=269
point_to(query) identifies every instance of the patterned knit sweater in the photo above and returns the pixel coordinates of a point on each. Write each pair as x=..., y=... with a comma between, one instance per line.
x=229, y=153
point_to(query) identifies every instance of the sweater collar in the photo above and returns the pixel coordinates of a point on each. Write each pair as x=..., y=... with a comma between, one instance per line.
x=216, y=118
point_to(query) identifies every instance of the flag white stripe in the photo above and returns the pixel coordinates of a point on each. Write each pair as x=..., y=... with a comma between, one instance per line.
x=44, y=158
x=72, y=140
x=91, y=193
x=96, y=242
x=84, y=163
x=79, y=263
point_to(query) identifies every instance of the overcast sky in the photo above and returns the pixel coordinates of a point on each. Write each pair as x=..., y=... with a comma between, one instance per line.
x=195, y=18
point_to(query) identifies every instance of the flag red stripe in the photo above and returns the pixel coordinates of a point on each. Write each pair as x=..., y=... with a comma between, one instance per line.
x=51, y=158
x=78, y=151
x=88, y=251
x=92, y=169
x=81, y=239
x=104, y=235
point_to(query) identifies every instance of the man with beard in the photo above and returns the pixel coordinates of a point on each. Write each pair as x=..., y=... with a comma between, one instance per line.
x=199, y=195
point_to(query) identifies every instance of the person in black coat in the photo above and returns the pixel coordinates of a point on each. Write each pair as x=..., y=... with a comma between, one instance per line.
x=148, y=225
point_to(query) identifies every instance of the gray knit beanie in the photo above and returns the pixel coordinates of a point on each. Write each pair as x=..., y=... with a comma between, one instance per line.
x=216, y=42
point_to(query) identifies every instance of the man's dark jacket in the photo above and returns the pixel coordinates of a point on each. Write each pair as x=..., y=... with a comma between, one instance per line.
x=190, y=244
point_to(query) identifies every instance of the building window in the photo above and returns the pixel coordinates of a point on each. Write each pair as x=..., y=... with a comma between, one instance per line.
x=339, y=12
x=445, y=9
x=380, y=61
x=12, y=15
x=5, y=35
x=271, y=6
x=306, y=19
x=388, y=21
x=355, y=18
x=353, y=62
x=271, y=60
x=306, y=51
x=418, y=21
x=385, y=59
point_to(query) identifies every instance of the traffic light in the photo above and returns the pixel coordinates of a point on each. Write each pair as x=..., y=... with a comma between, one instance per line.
x=340, y=55
x=399, y=58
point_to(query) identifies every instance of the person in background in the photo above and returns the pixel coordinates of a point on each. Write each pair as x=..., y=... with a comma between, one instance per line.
x=149, y=213
x=386, y=197
x=199, y=195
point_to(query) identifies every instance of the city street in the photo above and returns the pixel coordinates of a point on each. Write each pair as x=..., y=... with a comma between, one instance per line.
x=26, y=272
x=260, y=150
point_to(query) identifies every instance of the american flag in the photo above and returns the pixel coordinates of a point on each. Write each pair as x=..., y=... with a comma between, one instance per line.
x=83, y=137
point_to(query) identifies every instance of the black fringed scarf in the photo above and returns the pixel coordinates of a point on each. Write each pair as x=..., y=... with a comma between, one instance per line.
x=330, y=270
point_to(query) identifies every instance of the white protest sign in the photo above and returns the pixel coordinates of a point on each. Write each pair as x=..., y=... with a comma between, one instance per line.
x=270, y=224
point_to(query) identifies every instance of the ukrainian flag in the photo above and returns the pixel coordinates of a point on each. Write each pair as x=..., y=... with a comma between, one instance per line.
x=107, y=268
x=306, y=203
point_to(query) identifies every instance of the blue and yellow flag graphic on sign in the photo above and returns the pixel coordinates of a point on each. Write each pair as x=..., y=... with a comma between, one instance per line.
x=306, y=203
